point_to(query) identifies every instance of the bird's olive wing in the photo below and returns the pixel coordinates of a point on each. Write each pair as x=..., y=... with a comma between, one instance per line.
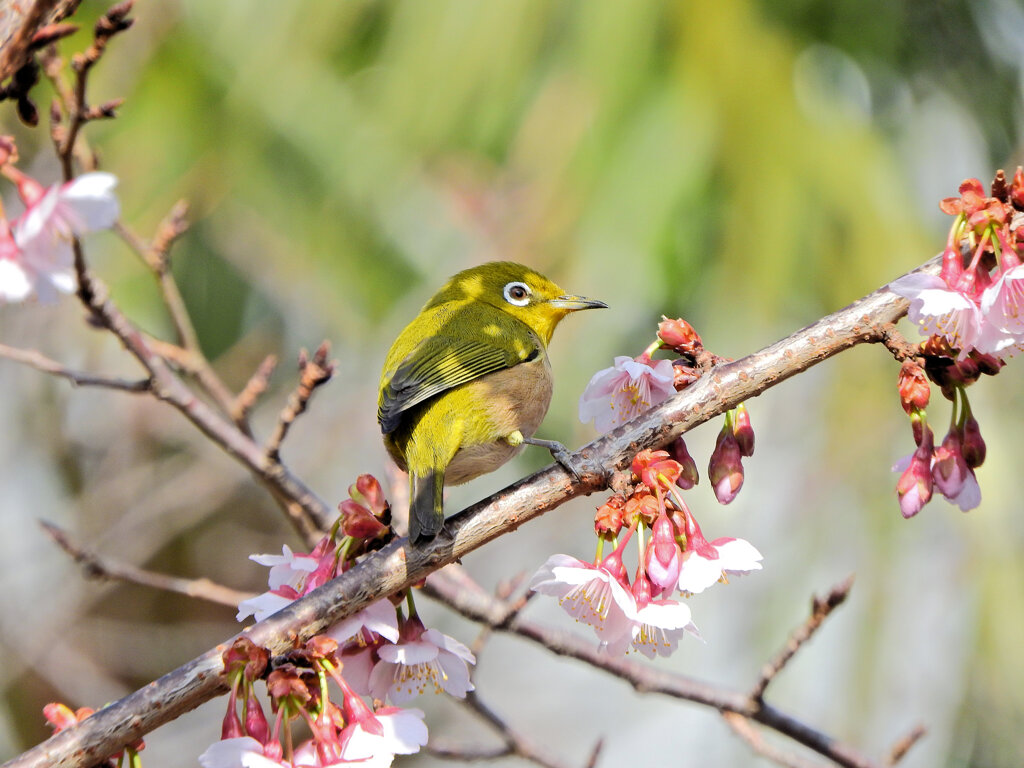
x=438, y=364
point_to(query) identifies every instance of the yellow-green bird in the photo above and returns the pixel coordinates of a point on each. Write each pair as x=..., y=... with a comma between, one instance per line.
x=468, y=382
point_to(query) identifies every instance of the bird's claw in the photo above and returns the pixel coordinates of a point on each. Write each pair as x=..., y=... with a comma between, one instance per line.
x=559, y=453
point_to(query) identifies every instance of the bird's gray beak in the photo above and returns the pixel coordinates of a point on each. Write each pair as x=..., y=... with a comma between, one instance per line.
x=572, y=303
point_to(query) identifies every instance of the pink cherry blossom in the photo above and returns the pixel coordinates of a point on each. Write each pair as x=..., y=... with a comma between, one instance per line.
x=36, y=257
x=617, y=394
x=378, y=617
x=941, y=310
x=1003, y=306
x=241, y=752
x=421, y=657
x=656, y=629
x=376, y=739
x=588, y=593
x=705, y=563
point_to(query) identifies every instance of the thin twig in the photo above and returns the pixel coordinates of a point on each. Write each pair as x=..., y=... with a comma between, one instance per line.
x=96, y=566
x=253, y=391
x=743, y=728
x=111, y=23
x=188, y=353
x=41, y=362
x=900, y=748
x=821, y=607
x=515, y=743
x=314, y=372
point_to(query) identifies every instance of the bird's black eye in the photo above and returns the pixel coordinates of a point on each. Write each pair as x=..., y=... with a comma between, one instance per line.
x=517, y=294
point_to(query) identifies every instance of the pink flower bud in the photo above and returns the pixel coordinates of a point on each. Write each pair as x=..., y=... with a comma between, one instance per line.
x=663, y=558
x=914, y=488
x=655, y=468
x=231, y=728
x=255, y=721
x=358, y=522
x=608, y=519
x=725, y=469
x=949, y=468
x=614, y=565
x=688, y=477
x=973, y=445
x=679, y=335
x=742, y=430
x=641, y=590
x=367, y=490
x=1017, y=189
x=914, y=389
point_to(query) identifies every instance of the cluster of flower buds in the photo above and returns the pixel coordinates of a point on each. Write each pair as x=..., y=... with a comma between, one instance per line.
x=641, y=614
x=386, y=654
x=949, y=469
x=735, y=441
x=299, y=689
x=972, y=314
x=975, y=303
x=36, y=254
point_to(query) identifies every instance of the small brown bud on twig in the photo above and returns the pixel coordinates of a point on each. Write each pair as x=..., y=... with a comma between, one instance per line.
x=51, y=33
x=114, y=20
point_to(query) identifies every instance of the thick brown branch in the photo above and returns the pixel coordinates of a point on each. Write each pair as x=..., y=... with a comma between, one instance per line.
x=397, y=565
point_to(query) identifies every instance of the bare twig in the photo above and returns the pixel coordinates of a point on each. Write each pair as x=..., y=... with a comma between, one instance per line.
x=187, y=354
x=253, y=390
x=821, y=607
x=900, y=748
x=112, y=22
x=99, y=567
x=743, y=728
x=314, y=371
x=515, y=743
x=398, y=566
x=40, y=362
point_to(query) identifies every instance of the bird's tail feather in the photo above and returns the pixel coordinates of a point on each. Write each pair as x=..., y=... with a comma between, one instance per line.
x=426, y=505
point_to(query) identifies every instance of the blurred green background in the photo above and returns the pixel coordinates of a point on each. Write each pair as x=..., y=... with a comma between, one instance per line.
x=751, y=166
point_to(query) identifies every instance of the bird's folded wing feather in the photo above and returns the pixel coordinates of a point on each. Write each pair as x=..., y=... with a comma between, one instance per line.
x=438, y=364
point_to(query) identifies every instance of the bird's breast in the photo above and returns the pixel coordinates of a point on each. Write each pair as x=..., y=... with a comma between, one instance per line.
x=506, y=401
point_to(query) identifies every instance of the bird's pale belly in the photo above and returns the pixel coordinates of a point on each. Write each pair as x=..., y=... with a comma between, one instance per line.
x=511, y=400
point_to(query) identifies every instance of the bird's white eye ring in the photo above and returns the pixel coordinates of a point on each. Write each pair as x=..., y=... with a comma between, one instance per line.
x=517, y=294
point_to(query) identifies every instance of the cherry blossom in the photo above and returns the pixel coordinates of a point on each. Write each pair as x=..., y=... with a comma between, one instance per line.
x=939, y=309
x=421, y=657
x=588, y=593
x=731, y=557
x=617, y=394
x=656, y=629
x=36, y=257
x=240, y=752
x=374, y=738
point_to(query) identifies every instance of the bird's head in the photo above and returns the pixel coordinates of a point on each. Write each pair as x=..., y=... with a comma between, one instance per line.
x=518, y=290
